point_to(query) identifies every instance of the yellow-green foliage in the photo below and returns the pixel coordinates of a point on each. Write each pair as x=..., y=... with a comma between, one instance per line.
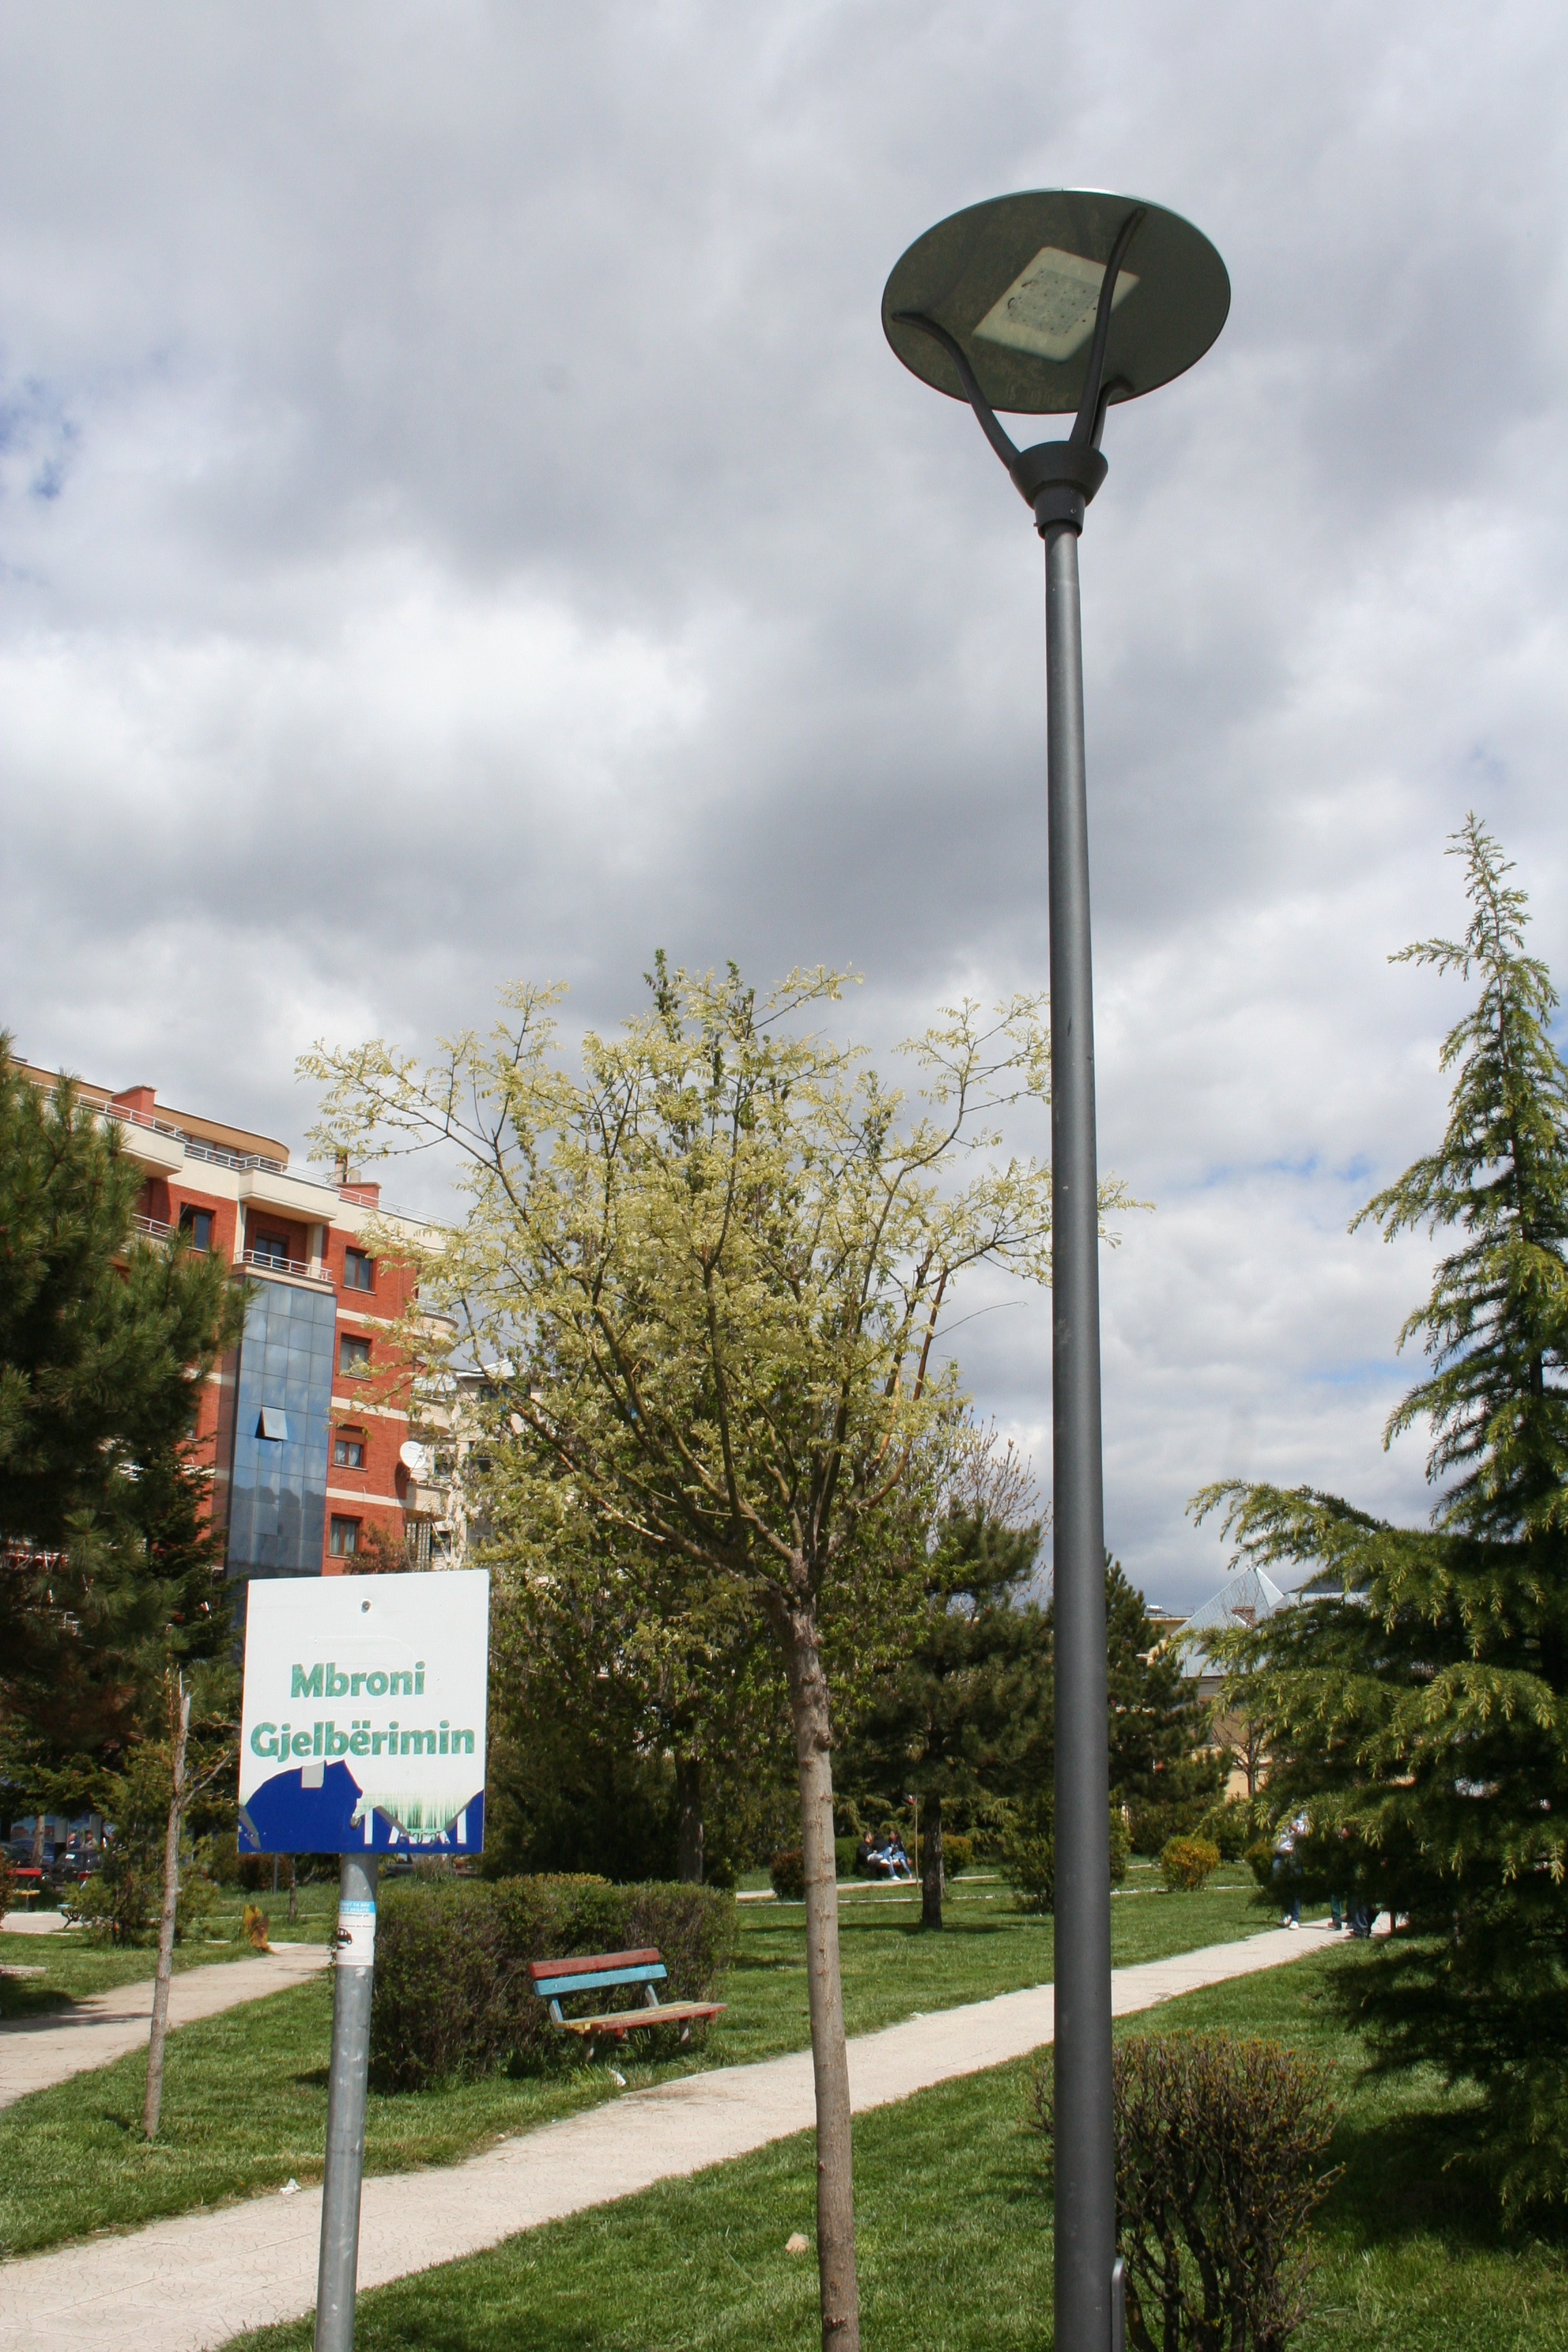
x=1187, y=1863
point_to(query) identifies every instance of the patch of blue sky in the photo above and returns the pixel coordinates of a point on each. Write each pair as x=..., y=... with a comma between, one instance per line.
x=38, y=438
x=1301, y=1168
x=1365, y=1372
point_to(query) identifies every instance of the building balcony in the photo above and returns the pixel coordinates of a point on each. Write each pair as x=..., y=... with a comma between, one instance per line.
x=422, y=1502
x=294, y=1269
x=156, y=1229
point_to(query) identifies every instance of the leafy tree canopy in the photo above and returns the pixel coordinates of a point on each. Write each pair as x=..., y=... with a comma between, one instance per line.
x=713, y=1266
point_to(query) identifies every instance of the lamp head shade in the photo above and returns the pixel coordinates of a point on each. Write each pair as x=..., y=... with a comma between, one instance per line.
x=1016, y=281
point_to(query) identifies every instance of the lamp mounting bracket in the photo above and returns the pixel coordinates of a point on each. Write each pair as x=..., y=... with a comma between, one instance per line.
x=1056, y=478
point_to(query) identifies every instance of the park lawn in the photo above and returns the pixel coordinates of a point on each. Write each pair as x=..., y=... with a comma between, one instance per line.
x=245, y=2093
x=953, y=2234
x=74, y=1964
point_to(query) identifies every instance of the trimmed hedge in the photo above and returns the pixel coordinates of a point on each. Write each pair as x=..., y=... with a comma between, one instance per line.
x=452, y=1996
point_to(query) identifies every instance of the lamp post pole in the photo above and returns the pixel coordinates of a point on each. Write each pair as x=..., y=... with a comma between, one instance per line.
x=1085, y=2213
x=962, y=289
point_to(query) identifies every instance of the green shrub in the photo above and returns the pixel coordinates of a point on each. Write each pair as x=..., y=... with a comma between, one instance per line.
x=1229, y=1827
x=787, y=1873
x=1029, y=1855
x=844, y=1849
x=1259, y=1859
x=1216, y=2139
x=196, y=1901
x=7, y=1878
x=452, y=1995
x=1187, y=1863
x=115, y=1903
x=1153, y=1825
x=957, y=1853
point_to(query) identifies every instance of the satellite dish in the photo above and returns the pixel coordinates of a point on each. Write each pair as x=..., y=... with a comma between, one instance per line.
x=415, y=1458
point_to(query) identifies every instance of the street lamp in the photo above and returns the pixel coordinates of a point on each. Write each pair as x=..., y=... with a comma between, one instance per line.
x=1064, y=301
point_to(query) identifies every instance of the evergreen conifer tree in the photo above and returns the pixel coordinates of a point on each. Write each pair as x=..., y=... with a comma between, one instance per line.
x=109, y=1558
x=963, y=1711
x=1161, y=1770
x=1416, y=1697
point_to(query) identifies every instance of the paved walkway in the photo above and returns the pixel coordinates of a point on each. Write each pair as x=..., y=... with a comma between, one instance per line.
x=250, y=2265
x=38, y=2051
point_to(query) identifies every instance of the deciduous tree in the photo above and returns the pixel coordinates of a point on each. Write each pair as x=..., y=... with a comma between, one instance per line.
x=716, y=1264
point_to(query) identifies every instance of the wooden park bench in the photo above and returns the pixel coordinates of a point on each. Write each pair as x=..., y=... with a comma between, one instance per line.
x=553, y=1980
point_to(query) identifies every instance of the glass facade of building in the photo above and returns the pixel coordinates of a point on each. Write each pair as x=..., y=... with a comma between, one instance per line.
x=282, y=1409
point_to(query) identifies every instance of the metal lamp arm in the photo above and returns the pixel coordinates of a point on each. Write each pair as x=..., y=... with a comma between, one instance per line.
x=966, y=377
x=1090, y=420
x=1058, y=478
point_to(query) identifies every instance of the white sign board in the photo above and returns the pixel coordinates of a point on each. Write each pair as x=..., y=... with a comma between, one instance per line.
x=364, y=1713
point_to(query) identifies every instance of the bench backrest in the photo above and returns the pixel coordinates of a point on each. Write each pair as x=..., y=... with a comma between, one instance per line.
x=552, y=1979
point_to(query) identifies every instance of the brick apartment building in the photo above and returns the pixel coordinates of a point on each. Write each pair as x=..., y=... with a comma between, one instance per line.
x=306, y=1424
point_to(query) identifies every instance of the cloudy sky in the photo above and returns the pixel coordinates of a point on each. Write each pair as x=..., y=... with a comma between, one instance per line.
x=459, y=518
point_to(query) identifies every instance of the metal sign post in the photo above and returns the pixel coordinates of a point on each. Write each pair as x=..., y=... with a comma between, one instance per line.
x=362, y=1734
x=354, y=1968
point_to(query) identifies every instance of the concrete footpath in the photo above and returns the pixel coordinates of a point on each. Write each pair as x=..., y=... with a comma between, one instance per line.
x=35, y=2051
x=189, y=2285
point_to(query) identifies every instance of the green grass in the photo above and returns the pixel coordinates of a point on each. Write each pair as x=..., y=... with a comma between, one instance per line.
x=953, y=2234
x=69, y=1965
x=245, y=2093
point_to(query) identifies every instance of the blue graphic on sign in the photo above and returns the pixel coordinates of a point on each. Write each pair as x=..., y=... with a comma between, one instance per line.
x=322, y=1810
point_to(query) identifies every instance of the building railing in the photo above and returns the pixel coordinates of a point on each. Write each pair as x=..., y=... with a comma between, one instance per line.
x=359, y=1197
x=303, y=1269
x=157, y=1229
x=193, y=1150
x=221, y=1158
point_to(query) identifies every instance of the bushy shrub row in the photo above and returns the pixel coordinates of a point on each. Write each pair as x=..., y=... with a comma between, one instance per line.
x=452, y=1995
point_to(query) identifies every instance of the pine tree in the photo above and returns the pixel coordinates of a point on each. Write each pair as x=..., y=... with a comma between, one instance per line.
x=963, y=1711
x=103, y=1341
x=1160, y=1768
x=1416, y=1697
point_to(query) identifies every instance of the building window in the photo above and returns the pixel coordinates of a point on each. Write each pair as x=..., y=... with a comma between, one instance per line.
x=196, y=1225
x=273, y=1423
x=354, y=1357
x=358, y=1270
x=348, y=1451
x=343, y=1541
x=270, y=1249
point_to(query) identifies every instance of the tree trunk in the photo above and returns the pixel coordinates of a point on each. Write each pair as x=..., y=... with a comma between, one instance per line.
x=38, y=1839
x=180, y=1724
x=294, y=1892
x=689, y=1796
x=930, y=1865
x=839, y=2291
